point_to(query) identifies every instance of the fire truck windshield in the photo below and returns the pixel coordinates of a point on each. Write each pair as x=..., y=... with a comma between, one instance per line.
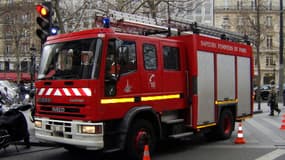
x=78, y=59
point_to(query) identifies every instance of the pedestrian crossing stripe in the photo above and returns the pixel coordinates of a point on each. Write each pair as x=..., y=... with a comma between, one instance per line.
x=272, y=155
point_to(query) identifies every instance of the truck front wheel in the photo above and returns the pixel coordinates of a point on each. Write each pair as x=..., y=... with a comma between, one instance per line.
x=141, y=132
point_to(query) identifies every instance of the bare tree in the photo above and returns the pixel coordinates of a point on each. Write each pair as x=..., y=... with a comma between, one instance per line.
x=70, y=12
x=153, y=8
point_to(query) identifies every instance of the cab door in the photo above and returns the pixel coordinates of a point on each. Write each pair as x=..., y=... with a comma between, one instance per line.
x=121, y=69
x=150, y=75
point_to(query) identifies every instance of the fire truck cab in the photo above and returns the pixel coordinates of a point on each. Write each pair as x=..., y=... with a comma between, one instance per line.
x=102, y=90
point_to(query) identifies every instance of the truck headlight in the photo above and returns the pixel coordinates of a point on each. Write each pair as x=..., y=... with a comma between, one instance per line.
x=88, y=129
x=38, y=124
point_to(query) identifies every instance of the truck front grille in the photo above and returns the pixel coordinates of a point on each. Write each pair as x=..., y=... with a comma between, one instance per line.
x=59, y=110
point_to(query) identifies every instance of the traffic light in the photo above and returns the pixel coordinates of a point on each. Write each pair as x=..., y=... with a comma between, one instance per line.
x=44, y=20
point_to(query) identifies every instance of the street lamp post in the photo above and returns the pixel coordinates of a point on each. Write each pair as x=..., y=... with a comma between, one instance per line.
x=281, y=41
x=32, y=64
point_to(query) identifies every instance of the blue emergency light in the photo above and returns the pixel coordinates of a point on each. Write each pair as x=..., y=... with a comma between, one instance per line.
x=54, y=30
x=106, y=22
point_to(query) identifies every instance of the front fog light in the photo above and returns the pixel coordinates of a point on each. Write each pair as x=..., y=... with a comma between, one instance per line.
x=38, y=124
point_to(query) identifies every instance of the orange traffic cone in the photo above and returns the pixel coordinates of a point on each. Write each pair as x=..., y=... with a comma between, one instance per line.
x=283, y=123
x=146, y=155
x=240, y=139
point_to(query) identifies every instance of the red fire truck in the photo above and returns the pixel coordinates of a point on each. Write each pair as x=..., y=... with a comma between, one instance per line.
x=103, y=90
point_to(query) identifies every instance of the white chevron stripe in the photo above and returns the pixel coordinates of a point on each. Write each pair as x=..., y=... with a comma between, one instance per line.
x=41, y=92
x=87, y=91
x=76, y=92
x=66, y=92
x=49, y=91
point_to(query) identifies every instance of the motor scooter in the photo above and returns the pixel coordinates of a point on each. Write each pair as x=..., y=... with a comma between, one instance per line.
x=13, y=125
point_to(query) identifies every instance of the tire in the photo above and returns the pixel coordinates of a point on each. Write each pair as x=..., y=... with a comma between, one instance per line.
x=140, y=133
x=4, y=138
x=226, y=125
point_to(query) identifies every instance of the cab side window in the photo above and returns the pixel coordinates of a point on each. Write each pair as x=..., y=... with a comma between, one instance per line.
x=128, y=63
x=149, y=56
x=171, y=58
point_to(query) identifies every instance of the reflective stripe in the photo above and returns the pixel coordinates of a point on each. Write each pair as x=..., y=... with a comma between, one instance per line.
x=117, y=100
x=240, y=135
x=41, y=91
x=147, y=98
x=207, y=125
x=64, y=92
x=227, y=101
x=161, y=97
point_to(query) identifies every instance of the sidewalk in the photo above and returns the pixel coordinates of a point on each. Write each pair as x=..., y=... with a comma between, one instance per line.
x=264, y=108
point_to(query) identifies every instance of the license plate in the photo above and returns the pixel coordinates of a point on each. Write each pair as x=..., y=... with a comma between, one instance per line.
x=58, y=128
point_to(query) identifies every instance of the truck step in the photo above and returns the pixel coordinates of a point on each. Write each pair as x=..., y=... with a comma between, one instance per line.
x=174, y=121
x=180, y=135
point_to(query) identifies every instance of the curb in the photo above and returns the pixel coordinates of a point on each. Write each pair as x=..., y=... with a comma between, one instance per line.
x=258, y=112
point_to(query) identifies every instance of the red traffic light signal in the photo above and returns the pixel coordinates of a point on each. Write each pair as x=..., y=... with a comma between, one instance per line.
x=42, y=10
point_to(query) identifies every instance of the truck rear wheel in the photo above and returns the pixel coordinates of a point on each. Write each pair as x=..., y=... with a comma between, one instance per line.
x=140, y=133
x=225, y=126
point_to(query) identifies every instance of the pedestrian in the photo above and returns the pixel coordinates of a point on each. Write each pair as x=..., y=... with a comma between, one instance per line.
x=272, y=101
x=283, y=94
x=5, y=92
x=22, y=90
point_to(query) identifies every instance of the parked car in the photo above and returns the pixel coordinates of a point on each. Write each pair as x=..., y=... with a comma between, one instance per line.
x=264, y=91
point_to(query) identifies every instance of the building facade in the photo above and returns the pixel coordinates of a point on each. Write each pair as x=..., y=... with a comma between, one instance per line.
x=242, y=16
x=17, y=38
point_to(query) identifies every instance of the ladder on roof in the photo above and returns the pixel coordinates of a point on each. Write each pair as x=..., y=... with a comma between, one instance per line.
x=145, y=25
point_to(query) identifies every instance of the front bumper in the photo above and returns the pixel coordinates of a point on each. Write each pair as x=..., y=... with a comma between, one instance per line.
x=69, y=133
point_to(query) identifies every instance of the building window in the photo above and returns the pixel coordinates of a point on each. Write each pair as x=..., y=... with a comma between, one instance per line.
x=269, y=60
x=239, y=4
x=9, y=2
x=226, y=5
x=226, y=22
x=269, y=5
x=8, y=49
x=269, y=42
x=269, y=21
x=240, y=21
x=253, y=4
